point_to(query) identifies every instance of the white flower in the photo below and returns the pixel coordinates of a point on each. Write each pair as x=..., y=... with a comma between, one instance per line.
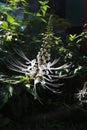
x=40, y=72
x=1, y=22
x=82, y=93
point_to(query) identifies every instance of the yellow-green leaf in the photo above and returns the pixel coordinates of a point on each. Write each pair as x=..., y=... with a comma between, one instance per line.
x=4, y=25
x=10, y=19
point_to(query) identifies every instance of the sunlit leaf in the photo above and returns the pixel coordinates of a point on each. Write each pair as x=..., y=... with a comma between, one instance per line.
x=10, y=19
x=4, y=25
x=43, y=2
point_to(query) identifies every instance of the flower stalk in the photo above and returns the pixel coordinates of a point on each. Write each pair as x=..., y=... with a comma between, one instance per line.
x=40, y=69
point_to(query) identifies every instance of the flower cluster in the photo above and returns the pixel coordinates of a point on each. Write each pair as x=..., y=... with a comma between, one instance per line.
x=82, y=94
x=41, y=69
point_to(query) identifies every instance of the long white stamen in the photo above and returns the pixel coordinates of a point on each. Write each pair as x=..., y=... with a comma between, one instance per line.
x=20, y=53
x=50, y=80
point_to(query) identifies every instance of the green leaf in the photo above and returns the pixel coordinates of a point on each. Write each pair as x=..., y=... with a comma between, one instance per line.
x=43, y=20
x=43, y=2
x=43, y=11
x=10, y=19
x=72, y=37
x=45, y=7
x=15, y=23
x=4, y=25
x=38, y=14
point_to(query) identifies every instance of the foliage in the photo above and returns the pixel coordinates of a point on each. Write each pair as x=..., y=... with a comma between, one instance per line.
x=43, y=8
x=36, y=77
x=40, y=69
x=60, y=25
x=12, y=30
x=67, y=49
x=11, y=25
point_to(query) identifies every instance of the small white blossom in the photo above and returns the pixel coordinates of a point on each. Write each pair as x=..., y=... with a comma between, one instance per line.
x=82, y=93
x=1, y=22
